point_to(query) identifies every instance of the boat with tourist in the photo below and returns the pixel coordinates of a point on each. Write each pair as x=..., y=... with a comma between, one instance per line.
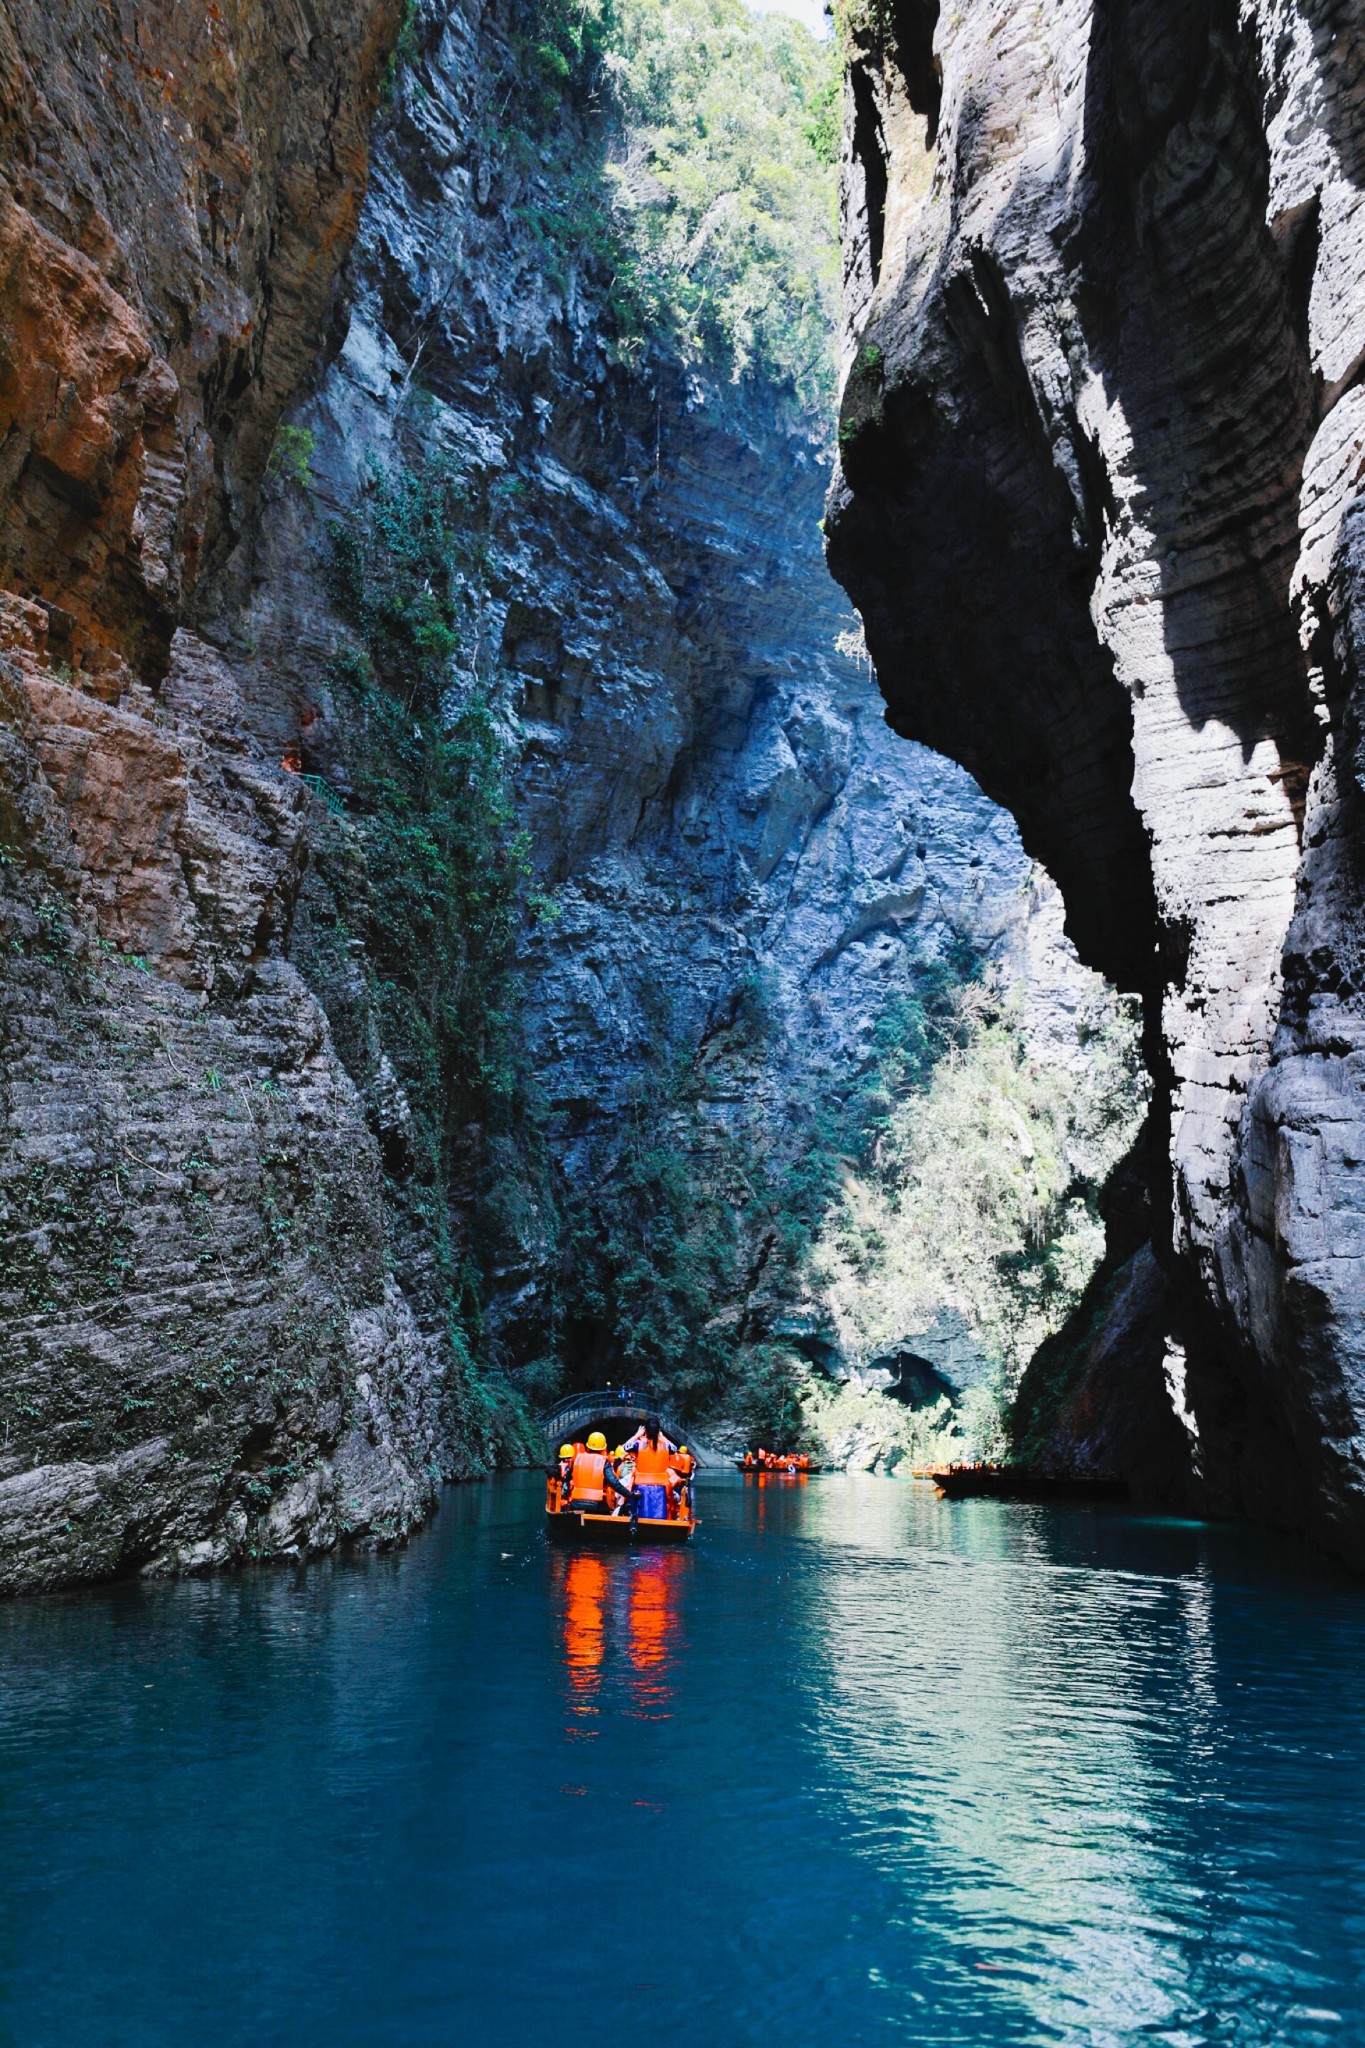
x=587, y=1526
x=779, y=1464
x=640, y=1492
x=614, y=1526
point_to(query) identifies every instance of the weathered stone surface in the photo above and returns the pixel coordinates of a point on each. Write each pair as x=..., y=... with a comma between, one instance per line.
x=202, y=1357
x=1101, y=441
x=195, y=1312
x=178, y=190
x=217, y=1338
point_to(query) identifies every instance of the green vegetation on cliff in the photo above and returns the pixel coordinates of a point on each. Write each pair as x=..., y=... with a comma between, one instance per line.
x=446, y=859
x=978, y=1191
x=708, y=216
x=418, y=894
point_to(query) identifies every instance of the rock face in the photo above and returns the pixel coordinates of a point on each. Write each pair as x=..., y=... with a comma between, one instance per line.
x=202, y=1355
x=1101, y=453
x=180, y=188
x=710, y=789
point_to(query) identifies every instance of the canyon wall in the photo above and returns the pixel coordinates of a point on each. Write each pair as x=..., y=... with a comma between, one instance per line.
x=1098, y=505
x=205, y=1354
x=715, y=805
x=243, y=1312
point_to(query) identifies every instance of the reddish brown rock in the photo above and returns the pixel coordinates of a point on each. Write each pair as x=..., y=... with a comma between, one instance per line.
x=178, y=190
x=203, y=1356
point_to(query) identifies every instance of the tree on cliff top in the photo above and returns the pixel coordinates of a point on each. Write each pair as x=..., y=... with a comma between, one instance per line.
x=714, y=214
x=725, y=184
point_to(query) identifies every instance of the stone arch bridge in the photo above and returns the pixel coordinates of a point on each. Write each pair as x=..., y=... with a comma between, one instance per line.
x=607, y=1409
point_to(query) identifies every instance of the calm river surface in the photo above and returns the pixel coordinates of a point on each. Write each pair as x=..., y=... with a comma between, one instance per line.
x=859, y=1767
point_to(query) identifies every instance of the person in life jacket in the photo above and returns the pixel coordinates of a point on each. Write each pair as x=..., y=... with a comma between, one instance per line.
x=684, y=1464
x=591, y=1477
x=557, y=1478
x=653, y=1471
x=622, y=1464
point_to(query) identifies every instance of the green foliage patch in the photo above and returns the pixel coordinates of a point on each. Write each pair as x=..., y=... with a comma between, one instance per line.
x=426, y=878
x=708, y=213
x=291, y=457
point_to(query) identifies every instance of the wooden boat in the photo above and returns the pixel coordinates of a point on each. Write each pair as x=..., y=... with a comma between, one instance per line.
x=578, y=1526
x=1018, y=1482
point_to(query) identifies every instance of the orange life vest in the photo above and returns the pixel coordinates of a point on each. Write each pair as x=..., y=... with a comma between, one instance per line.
x=652, y=1463
x=588, y=1483
x=685, y=1464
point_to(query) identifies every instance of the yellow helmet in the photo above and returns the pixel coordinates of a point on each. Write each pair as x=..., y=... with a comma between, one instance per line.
x=683, y=1451
x=620, y=1451
x=566, y=1450
x=597, y=1442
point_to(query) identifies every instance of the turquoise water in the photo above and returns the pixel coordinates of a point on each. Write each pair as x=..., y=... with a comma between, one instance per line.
x=860, y=1766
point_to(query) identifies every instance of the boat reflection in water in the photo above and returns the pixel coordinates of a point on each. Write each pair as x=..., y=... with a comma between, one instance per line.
x=586, y=1582
x=652, y=1632
x=620, y=1618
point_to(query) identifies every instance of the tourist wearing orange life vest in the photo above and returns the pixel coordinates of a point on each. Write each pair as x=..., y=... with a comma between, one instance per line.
x=684, y=1464
x=557, y=1478
x=653, y=1470
x=591, y=1477
x=622, y=1463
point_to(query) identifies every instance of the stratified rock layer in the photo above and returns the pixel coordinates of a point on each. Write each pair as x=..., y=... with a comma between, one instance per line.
x=1102, y=444
x=202, y=1354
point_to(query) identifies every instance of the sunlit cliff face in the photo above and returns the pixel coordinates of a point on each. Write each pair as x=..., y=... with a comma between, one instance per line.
x=1099, y=470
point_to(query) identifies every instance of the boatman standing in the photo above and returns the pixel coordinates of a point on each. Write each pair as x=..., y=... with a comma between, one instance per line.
x=684, y=1464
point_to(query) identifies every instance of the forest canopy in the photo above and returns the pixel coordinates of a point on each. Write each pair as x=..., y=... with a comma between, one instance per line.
x=726, y=183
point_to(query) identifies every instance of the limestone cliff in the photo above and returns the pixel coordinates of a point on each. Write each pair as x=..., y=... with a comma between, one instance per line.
x=203, y=1354
x=701, y=761
x=1101, y=456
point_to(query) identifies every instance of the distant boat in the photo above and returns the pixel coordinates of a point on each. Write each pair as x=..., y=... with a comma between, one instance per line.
x=578, y=1527
x=778, y=1471
x=1018, y=1482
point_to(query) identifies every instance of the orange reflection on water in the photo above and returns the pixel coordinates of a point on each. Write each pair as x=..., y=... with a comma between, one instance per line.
x=652, y=1624
x=586, y=1581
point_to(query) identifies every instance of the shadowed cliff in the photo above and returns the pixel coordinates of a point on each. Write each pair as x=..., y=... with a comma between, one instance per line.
x=1100, y=451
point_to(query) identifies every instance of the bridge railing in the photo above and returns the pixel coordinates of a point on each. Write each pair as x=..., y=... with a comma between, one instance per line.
x=619, y=1404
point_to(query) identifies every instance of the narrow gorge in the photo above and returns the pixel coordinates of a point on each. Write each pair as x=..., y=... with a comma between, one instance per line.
x=470, y=932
